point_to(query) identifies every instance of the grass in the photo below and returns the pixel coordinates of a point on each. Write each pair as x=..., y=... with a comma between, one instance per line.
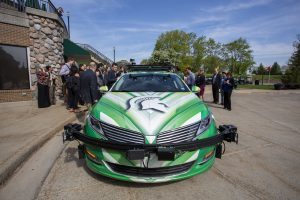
x=266, y=77
x=257, y=77
x=263, y=87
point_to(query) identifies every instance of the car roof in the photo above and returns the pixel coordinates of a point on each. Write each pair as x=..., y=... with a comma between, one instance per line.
x=150, y=72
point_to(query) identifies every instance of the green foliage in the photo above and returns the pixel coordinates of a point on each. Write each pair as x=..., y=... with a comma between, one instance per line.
x=177, y=41
x=212, y=62
x=275, y=70
x=162, y=57
x=199, y=53
x=273, y=78
x=292, y=74
x=123, y=63
x=261, y=69
x=238, y=56
x=186, y=49
x=173, y=47
x=212, y=55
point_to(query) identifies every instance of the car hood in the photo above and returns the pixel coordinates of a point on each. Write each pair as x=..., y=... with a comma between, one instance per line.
x=148, y=112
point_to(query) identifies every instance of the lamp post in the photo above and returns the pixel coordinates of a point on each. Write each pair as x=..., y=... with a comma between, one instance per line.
x=68, y=17
x=114, y=54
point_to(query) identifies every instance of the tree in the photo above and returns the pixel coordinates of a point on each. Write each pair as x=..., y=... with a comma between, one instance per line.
x=213, y=55
x=275, y=69
x=199, y=51
x=238, y=56
x=292, y=74
x=185, y=49
x=123, y=63
x=175, y=47
x=261, y=69
x=145, y=62
x=162, y=57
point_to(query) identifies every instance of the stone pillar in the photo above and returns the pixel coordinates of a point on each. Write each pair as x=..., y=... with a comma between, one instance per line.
x=46, y=37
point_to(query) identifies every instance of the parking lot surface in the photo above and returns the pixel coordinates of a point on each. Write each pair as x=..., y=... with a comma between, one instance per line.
x=264, y=165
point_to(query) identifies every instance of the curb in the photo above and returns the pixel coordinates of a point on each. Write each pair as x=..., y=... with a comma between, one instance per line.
x=21, y=156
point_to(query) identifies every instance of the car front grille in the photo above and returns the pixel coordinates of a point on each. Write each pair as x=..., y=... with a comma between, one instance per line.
x=150, y=172
x=182, y=134
x=119, y=134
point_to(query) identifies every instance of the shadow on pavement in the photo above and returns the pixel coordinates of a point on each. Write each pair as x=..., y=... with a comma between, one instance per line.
x=80, y=116
x=111, y=181
x=72, y=156
x=211, y=104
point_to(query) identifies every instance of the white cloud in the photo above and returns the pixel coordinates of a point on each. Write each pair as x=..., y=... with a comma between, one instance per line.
x=239, y=6
x=271, y=49
x=89, y=24
x=139, y=29
x=268, y=53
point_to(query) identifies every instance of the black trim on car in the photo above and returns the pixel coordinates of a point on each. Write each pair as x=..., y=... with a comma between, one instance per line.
x=165, y=151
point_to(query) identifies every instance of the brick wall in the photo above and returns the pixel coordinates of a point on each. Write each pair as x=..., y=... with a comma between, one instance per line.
x=14, y=35
x=16, y=95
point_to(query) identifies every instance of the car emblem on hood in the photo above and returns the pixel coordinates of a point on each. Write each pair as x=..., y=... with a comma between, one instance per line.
x=147, y=103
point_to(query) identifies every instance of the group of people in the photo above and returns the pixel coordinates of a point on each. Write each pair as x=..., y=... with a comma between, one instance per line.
x=222, y=85
x=81, y=84
x=197, y=79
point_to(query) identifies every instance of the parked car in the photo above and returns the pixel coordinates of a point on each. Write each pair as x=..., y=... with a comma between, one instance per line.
x=150, y=127
x=208, y=81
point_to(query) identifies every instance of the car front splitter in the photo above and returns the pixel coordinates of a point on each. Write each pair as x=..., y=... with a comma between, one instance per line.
x=133, y=151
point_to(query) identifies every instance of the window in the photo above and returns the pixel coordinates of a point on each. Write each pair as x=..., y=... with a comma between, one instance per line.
x=150, y=82
x=13, y=68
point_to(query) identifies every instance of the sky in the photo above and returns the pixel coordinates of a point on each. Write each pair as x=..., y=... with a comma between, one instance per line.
x=133, y=26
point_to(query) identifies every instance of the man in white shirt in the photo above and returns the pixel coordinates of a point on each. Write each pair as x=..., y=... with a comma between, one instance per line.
x=64, y=73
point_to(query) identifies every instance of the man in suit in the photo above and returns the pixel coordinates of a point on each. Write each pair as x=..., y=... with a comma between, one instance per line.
x=88, y=86
x=216, y=85
x=112, y=75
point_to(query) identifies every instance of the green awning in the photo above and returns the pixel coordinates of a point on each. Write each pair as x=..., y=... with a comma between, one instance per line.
x=73, y=50
x=70, y=48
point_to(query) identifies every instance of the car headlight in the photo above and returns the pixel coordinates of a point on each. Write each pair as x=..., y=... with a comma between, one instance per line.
x=95, y=124
x=204, y=124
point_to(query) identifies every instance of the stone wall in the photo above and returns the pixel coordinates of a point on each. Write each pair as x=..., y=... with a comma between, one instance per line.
x=46, y=48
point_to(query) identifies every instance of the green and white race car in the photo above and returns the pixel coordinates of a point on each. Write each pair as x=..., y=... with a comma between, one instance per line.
x=150, y=127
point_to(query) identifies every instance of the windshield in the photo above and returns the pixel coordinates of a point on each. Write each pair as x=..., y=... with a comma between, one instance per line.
x=150, y=83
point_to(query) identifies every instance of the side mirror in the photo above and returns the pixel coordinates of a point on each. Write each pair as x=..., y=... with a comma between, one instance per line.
x=103, y=89
x=195, y=89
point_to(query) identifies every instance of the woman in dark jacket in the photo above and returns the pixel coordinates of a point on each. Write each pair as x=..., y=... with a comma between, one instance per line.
x=200, y=82
x=227, y=87
x=73, y=86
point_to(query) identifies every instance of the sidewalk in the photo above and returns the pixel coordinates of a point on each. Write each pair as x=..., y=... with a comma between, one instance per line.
x=24, y=128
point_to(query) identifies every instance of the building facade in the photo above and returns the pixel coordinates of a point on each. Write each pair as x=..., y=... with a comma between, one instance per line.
x=31, y=36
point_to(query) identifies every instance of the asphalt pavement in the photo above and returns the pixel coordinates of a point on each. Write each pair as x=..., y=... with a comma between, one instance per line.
x=24, y=128
x=264, y=165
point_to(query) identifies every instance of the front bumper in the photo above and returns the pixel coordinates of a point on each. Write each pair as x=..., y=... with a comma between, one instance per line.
x=105, y=170
x=94, y=151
